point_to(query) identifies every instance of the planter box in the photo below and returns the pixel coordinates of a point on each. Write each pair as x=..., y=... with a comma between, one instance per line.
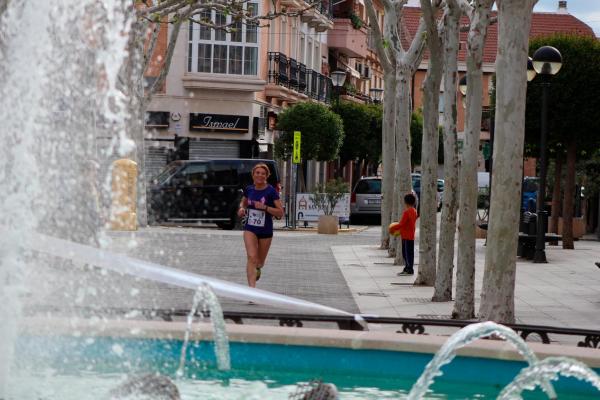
x=328, y=224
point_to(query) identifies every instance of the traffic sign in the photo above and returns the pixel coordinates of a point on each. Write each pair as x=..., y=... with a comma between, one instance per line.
x=296, y=153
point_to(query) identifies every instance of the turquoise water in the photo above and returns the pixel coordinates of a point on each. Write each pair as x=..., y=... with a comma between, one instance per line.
x=65, y=368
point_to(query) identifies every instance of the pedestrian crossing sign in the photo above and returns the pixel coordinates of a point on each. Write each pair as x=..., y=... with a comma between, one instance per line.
x=296, y=152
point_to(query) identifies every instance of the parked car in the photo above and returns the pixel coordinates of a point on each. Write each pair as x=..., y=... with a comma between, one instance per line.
x=365, y=199
x=416, y=184
x=440, y=190
x=204, y=190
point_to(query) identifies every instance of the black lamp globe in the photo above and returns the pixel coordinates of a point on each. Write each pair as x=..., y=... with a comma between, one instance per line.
x=376, y=94
x=547, y=60
x=338, y=78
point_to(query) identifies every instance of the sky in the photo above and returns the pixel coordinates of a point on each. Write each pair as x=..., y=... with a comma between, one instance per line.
x=587, y=11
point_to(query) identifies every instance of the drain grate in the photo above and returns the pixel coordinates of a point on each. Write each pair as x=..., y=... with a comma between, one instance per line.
x=416, y=299
x=401, y=284
x=373, y=294
x=434, y=316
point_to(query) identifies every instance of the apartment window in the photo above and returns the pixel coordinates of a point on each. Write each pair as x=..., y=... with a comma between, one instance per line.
x=204, y=57
x=220, y=52
x=204, y=31
x=317, y=57
x=252, y=27
x=309, y=53
x=220, y=20
x=302, y=49
x=294, y=39
x=283, y=36
x=220, y=59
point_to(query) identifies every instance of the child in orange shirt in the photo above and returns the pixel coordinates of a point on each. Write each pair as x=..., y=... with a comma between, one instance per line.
x=408, y=224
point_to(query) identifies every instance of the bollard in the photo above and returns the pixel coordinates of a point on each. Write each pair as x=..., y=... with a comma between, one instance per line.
x=123, y=215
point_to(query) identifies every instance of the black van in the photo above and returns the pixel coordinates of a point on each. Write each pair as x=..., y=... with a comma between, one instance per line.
x=204, y=190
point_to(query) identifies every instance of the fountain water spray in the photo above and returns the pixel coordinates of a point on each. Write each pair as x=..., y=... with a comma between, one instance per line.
x=462, y=338
x=144, y=269
x=205, y=297
x=548, y=369
x=57, y=61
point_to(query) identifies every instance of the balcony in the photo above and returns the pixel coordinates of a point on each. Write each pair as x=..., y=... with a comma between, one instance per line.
x=347, y=39
x=291, y=81
x=319, y=16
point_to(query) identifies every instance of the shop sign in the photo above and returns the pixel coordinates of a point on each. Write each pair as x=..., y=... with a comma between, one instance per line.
x=219, y=123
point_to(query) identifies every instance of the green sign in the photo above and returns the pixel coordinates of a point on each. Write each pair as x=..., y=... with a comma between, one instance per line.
x=296, y=152
x=486, y=151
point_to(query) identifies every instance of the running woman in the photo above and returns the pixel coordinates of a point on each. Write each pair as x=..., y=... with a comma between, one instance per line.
x=260, y=204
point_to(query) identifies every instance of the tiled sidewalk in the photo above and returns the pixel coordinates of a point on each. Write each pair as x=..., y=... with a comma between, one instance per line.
x=563, y=293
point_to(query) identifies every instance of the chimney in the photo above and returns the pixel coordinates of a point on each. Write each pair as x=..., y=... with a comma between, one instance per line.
x=562, y=7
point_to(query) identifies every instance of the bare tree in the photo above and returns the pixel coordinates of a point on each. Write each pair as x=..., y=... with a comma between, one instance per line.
x=479, y=16
x=443, y=279
x=402, y=64
x=429, y=159
x=497, y=295
x=387, y=60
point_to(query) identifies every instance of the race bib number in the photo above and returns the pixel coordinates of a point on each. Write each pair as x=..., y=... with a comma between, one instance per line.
x=256, y=217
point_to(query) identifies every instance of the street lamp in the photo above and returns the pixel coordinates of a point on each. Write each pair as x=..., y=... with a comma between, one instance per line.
x=547, y=61
x=337, y=80
x=376, y=94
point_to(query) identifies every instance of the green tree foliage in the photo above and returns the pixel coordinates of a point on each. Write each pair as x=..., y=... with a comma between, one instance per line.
x=362, y=131
x=573, y=100
x=327, y=195
x=322, y=132
x=416, y=137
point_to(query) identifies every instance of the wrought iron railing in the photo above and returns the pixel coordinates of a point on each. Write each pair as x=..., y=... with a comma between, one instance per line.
x=420, y=326
x=301, y=78
x=291, y=74
x=325, y=7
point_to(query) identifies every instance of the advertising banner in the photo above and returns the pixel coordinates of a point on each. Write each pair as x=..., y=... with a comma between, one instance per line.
x=306, y=210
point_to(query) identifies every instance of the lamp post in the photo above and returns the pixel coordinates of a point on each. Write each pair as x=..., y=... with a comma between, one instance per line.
x=376, y=94
x=337, y=80
x=547, y=61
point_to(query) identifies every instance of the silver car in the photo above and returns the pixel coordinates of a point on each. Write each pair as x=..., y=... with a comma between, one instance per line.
x=365, y=199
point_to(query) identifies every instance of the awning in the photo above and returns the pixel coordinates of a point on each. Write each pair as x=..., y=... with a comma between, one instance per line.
x=354, y=73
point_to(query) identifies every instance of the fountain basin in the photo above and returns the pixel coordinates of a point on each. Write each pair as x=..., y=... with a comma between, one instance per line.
x=374, y=364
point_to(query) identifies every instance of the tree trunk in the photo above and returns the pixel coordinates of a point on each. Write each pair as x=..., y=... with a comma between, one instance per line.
x=464, y=307
x=387, y=159
x=402, y=179
x=443, y=279
x=556, y=193
x=497, y=295
x=429, y=152
x=568, y=204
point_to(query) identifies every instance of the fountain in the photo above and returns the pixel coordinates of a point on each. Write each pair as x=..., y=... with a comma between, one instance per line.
x=64, y=120
x=210, y=304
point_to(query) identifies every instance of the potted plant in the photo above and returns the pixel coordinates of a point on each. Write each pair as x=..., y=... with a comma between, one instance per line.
x=355, y=20
x=325, y=197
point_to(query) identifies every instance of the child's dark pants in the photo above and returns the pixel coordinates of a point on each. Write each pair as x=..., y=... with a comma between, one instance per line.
x=408, y=253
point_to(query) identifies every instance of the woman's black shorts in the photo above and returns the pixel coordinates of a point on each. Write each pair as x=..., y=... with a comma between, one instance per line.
x=262, y=235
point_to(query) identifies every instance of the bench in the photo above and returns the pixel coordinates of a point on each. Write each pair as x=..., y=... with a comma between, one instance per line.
x=527, y=241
